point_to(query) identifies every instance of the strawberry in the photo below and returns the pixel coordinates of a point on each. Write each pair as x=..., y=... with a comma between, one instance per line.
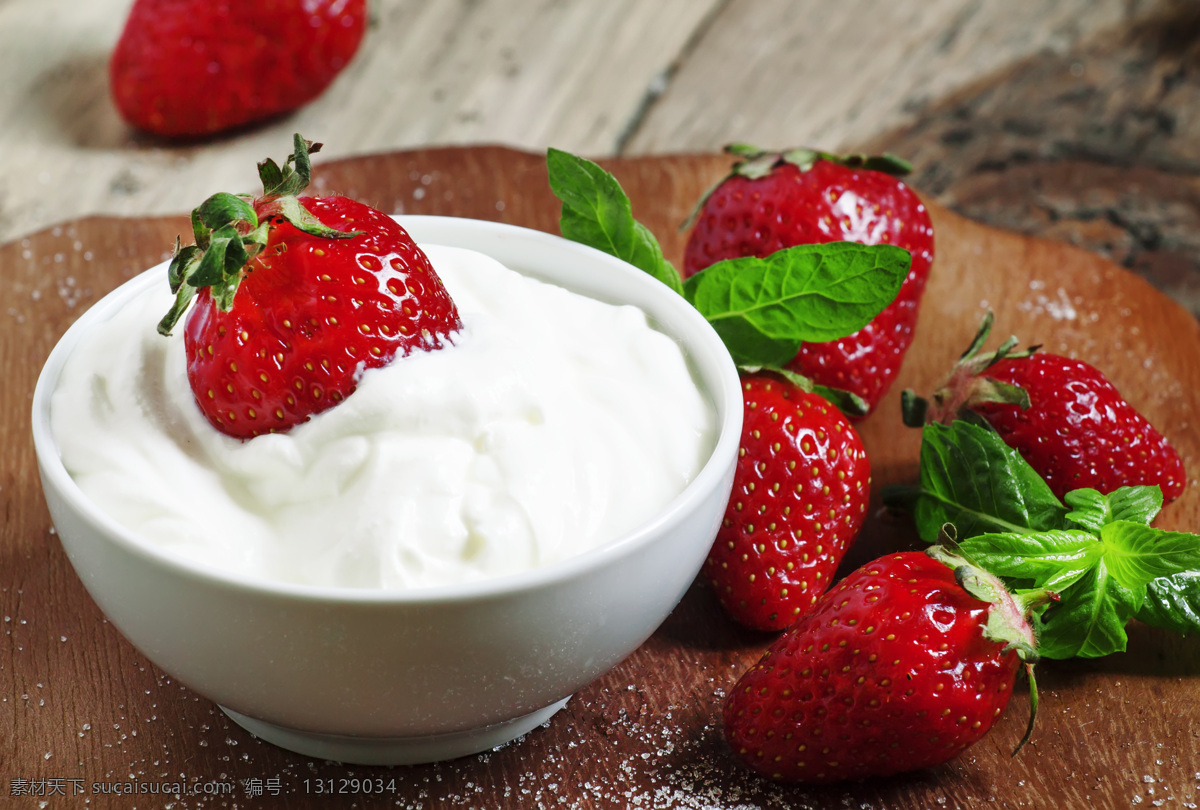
x=905, y=663
x=777, y=200
x=192, y=68
x=292, y=306
x=1062, y=415
x=800, y=493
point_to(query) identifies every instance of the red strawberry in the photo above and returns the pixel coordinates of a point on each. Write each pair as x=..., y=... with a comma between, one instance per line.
x=800, y=495
x=1062, y=415
x=899, y=668
x=292, y=305
x=772, y=201
x=190, y=68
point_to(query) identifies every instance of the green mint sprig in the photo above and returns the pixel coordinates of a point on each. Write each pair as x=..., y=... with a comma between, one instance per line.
x=763, y=309
x=596, y=212
x=1097, y=552
x=230, y=230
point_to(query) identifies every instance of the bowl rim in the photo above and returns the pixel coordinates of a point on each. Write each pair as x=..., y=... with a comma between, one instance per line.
x=726, y=400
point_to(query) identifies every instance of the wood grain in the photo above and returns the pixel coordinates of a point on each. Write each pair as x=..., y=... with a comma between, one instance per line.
x=828, y=75
x=1094, y=146
x=527, y=73
x=79, y=703
x=596, y=77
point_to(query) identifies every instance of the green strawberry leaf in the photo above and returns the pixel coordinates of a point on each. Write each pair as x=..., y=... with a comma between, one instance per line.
x=218, y=268
x=224, y=259
x=970, y=478
x=271, y=175
x=293, y=177
x=200, y=230
x=764, y=308
x=291, y=209
x=847, y=402
x=183, y=265
x=596, y=212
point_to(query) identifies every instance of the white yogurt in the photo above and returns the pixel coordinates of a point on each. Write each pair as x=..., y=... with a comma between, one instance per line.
x=553, y=425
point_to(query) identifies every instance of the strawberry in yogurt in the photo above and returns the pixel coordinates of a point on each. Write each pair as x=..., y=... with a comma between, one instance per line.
x=472, y=421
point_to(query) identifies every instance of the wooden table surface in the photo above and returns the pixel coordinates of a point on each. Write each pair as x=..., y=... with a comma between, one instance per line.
x=1075, y=120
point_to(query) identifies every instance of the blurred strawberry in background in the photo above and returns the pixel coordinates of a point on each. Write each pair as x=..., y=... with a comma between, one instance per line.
x=192, y=68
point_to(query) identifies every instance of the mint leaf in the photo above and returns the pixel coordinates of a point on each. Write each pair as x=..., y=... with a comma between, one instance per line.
x=1140, y=504
x=1096, y=600
x=764, y=308
x=1051, y=560
x=1173, y=603
x=1100, y=556
x=1090, y=617
x=597, y=213
x=1092, y=510
x=1137, y=554
x=1103, y=579
x=973, y=480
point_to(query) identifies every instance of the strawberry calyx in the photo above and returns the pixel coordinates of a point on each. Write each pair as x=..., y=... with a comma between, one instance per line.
x=966, y=386
x=753, y=163
x=1008, y=621
x=849, y=403
x=230, y=230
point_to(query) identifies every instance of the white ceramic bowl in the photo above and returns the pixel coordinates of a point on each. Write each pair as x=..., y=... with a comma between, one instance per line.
x=390, y=677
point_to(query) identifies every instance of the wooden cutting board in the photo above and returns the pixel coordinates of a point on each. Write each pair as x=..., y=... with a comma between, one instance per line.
x=81, y=710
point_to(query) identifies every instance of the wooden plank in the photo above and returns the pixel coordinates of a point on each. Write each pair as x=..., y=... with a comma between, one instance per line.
x=586, y=75
x=77, y=702
x=1096, y=146
x=821, y=74
x=569, y=73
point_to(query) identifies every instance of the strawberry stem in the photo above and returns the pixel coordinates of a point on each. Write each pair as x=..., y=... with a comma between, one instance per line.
x=1033, y=707
x=966, y=386
x=1029, y=603
x=231, y=230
